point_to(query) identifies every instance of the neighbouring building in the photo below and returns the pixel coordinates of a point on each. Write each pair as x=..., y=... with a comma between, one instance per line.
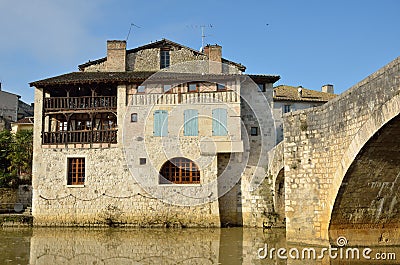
x=12, y=108
x=158, y=135
x=289, y=98
x=22, y=124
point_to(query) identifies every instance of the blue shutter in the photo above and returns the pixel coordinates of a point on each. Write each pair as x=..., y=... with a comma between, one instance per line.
x=219, y=122
x=160, y=123
x=191, y=125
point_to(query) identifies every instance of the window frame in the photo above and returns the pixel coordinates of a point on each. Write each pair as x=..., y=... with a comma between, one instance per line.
x=165, y=58
x=287, y=107
x=71, y=182
x=221, y=87
x=261, y=87
x=168, y=90
x=180, y=170
x=134, y=117
x=142, y=87
x=254, y=131
x=193, y=91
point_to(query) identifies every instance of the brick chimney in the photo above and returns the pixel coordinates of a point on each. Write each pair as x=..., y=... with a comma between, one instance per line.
x=116, y=56
x=214, y=54
x=327, y=89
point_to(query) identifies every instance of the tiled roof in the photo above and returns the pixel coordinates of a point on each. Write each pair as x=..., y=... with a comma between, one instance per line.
x=92, y=77
x=126, y=77
x=290, y=93
x=157, y=44
x=26, y=120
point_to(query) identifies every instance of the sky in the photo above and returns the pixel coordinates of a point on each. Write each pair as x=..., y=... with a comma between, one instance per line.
x=306, y=42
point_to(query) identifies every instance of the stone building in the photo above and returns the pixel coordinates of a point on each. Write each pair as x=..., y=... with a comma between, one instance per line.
x=289, y=98
x=159, y=135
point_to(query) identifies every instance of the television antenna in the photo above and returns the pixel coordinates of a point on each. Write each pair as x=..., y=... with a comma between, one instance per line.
x=130, y=28
x=203, y=36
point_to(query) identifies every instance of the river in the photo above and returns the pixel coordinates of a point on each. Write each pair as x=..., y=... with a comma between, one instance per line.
x=229, y=246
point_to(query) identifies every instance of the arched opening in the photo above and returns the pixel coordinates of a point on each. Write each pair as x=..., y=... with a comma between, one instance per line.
x=280, y=195
x=179, y=170
x=368, y=195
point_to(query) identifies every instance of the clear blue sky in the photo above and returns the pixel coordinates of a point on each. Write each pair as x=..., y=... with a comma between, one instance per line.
x=306, y=42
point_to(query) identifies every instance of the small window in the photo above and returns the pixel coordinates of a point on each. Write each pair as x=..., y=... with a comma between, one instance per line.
x=142, y=161
x=221, y=87
x=193, y=87
x=76, y=171
x=141, y=89
x=134, y=117
x=261, y=87
x=164, y=59
x=287, y=108
x=167, y=88
x=254, y=131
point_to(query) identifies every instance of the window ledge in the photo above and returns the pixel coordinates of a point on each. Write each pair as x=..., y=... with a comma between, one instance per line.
x=75, y=186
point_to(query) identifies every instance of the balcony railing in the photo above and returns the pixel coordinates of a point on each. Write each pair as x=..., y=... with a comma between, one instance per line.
x=185, y=98
x=75, y=137
x=80, y=103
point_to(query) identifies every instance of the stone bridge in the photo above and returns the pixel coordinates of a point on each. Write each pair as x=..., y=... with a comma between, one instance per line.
x=342, y=164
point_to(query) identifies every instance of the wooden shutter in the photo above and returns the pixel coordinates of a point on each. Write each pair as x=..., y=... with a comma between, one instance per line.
x=219, y=122
x=191, y=125
x=160, y=123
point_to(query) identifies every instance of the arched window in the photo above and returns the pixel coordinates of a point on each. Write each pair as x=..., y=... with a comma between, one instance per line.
x=180, y=170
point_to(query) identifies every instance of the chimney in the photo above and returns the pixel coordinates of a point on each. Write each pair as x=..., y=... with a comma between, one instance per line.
x=214, y=54
x=116, y=56
x=327, y=89
x=300, y=91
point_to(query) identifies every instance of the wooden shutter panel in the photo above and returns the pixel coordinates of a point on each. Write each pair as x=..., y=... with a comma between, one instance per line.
x=160, y=123
x=191, y=123
x=219, y=122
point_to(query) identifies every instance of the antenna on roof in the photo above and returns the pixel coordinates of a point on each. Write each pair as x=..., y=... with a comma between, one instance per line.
x=203, y=36
x=129, y=32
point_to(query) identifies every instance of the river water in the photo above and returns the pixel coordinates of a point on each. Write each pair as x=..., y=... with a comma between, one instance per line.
x=116, y=246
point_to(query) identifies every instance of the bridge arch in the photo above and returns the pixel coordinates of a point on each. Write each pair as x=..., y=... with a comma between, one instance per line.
x=387, y=114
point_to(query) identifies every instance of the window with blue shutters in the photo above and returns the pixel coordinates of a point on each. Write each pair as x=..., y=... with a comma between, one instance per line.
x=160, y=123
x=219, y=123
x=191, y=125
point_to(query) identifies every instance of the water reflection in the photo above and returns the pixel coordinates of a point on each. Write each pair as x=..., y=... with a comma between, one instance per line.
x=157, y=246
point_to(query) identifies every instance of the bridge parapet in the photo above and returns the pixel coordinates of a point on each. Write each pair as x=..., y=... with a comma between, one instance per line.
x=321, y=143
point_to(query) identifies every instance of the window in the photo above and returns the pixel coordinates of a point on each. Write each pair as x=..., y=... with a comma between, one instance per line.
x=191, y=123
x=221, y=87
x=286, y=108
x=167, y=88
x=160, y=125
x=254, y=131
x=219, y=122
x=164, y=59
x=180, y=170
x=142, y=161
x=141, y=89
x=193, y=87
x=261, y=87
x=134, y=117
x=76, y=171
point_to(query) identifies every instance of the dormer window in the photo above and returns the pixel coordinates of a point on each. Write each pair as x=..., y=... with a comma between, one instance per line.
x=164, y=59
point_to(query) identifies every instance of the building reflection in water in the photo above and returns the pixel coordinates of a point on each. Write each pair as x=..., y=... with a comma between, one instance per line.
x=167, y=246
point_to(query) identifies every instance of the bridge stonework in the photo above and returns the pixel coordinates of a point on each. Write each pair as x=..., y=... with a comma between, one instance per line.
x=321, y=144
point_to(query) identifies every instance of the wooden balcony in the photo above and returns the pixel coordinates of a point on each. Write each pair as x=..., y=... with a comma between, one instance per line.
x=185, y=98
x=80, y=137
x=80, y=103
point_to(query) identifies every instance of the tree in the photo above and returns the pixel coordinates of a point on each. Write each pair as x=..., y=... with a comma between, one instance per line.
x=5, y=150
x=21, y=153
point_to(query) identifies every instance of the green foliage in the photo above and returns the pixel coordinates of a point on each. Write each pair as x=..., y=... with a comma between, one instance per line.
x=21, y=153
x=16, y=152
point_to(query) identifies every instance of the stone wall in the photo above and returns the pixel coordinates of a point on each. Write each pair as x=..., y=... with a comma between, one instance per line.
x=321, y=144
